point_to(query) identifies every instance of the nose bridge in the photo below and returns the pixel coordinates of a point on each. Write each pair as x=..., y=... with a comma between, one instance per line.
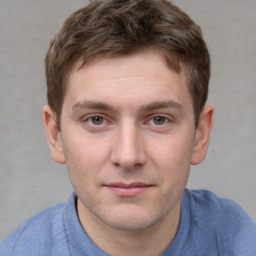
x=128, y=151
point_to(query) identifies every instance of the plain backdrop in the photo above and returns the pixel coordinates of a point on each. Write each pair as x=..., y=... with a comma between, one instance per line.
x=30, y=181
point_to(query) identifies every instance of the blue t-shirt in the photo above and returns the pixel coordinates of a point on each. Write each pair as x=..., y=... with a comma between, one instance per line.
x=209, y=226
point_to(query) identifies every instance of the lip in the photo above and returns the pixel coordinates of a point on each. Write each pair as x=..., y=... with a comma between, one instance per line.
x=128, y=190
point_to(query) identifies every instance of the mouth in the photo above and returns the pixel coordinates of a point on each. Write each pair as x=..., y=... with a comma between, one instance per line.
x=128, y=190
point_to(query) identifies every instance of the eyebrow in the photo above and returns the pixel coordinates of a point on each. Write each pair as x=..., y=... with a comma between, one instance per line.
x=144, y=108
x=161, y=104
x=91, y=105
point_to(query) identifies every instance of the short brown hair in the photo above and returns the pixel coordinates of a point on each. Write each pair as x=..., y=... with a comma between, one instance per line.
x=109, y=28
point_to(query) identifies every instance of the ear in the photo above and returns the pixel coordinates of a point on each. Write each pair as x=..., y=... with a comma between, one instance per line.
x=203, y=132
x=53, y=135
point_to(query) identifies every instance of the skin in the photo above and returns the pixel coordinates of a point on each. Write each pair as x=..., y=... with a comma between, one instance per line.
x=128, y=139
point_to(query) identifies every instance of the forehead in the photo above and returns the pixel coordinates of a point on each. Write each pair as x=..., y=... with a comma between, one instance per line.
x=137, y=75
x=121, y=65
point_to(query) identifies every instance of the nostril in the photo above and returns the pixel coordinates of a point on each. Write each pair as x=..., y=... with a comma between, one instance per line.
x=117, y=164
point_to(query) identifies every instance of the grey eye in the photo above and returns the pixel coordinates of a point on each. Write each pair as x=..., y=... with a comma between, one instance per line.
x=97, y=120
x=159, y=120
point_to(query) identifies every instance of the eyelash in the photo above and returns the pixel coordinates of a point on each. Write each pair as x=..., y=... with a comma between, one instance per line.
x=90, y=120
x=165, y=120
x=151, y=121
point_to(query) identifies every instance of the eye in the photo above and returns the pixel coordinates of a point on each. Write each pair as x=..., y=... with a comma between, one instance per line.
x=96, y=120
x=159, y=120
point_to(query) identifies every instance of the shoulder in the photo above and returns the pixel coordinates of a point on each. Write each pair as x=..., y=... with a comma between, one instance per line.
x=205, y=201
x=233, y=228
x=39, y=230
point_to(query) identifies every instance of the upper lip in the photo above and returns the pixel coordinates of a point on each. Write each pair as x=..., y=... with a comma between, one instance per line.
x=128, y=185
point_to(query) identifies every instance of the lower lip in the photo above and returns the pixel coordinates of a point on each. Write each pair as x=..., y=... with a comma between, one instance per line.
x=128, y=191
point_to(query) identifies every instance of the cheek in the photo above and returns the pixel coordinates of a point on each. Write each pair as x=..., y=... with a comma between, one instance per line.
x=172, y=150
x=172, y=160
x=84, y=160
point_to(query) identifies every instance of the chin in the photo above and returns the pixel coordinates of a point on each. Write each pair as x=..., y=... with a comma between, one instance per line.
x=129, y=224
x=131, y=220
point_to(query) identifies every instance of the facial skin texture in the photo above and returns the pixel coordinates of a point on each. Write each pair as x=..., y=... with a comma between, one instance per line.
x=128, y=139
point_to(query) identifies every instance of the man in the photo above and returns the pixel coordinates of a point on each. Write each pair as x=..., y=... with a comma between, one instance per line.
x=127, y=84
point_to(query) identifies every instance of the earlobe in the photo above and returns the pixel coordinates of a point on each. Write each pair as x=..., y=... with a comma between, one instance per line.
x=53, y=135
x=203, y=132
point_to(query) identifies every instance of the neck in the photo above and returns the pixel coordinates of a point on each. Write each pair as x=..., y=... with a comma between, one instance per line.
x=131, y=242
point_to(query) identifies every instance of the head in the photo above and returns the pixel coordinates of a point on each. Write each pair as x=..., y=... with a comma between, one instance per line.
x=112, y=28
x=127, y=84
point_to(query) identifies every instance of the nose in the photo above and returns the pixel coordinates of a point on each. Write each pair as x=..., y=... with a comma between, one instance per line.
x=128, y=150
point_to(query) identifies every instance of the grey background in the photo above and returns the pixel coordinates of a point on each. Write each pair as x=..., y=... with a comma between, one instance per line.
x=30, y=181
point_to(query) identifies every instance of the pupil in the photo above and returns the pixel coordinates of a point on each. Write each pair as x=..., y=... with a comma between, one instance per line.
x=159, y=120
x=97, y=120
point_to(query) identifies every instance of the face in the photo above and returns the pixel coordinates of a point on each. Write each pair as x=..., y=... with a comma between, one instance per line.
x=128, y=138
